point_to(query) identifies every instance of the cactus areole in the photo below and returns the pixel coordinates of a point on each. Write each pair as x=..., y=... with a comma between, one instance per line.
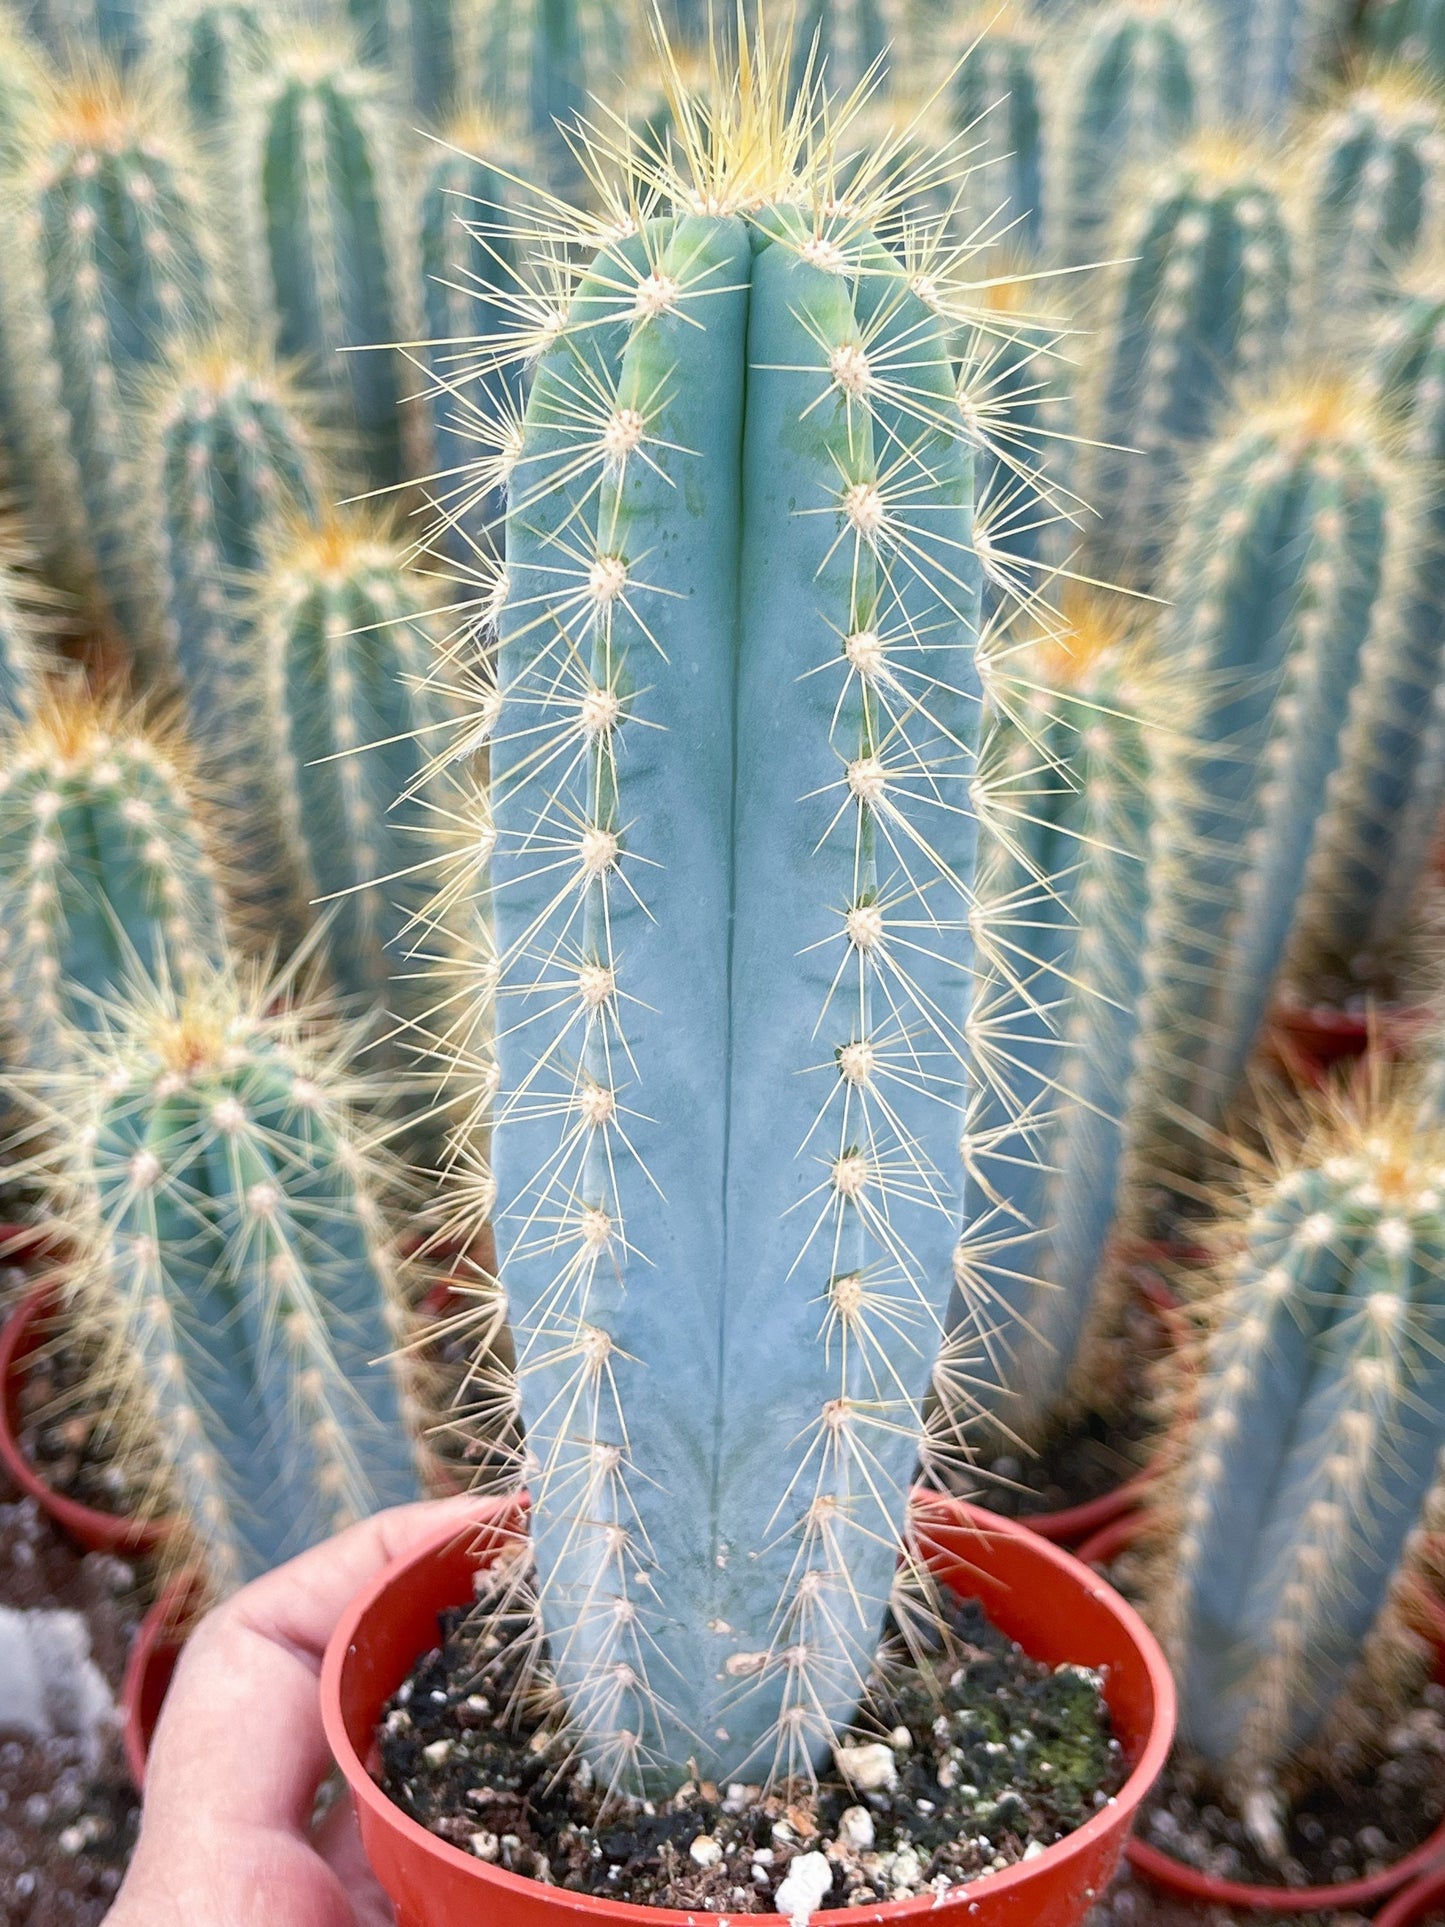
x=730, y=898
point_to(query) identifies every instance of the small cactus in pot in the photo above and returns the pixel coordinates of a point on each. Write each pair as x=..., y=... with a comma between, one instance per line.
x=1308, y=1471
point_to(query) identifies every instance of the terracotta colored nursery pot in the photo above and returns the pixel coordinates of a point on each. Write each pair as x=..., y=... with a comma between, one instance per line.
x=1042, y=1597
x=1188, y=1883
x=24, y=1334
x=150, y=1667
x=1424, y=1901
x=1310, y=1040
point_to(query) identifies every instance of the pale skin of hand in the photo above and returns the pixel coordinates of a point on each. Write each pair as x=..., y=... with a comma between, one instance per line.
x=226, y=1837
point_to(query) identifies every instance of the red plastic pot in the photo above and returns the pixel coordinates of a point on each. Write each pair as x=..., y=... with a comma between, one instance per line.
x=1188, y=1883
x=1423, y=1902
x=23, y=1335
x=1039, y=1595
x=151, y=1666
x=1310, y=1040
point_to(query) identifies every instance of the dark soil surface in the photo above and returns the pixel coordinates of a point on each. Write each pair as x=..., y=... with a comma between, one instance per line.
x=61, y=1438
x=987, y=1759
x=1362, y=1817
x=65, y=1831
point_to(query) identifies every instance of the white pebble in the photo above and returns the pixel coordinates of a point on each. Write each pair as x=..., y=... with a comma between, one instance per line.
x=856, y=1829
x=1033, y=1849
x=705, y=1850
x=870, y=1767
x=436, y=1753
x=486, y=1846
x=802, y=1891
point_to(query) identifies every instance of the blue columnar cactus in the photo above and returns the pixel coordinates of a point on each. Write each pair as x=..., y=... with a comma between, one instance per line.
x=1083, y=733
x=1273, y=580
x=214, y=47
x=110, y=265
x=1274, y=50
x=471, y=230
x=1200, y=299
x=232, y=457
x=106, y=869
x=1130, y=79
x=235, y=1272
x=1016, y=392
x=27, y=612
x=731, y=850
x=327, y=239
x=1411, y=30
x=424, y=44
x=1314, y=1447
x=1373, y=185
x=548, y=63
x=1388, y=793
x=996, y=102
x=844, y=42
x=112, y=28
x=346, y=644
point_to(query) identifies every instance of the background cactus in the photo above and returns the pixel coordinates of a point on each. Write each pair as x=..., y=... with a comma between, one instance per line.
x=996, y=101
x=110, y=266
x=327, y=242
x=745, y=430
x=1130, y=79
x=1016, y=392
x=26, y=614
x=1200, y=298
x=1314, y=1447
x=232, y=458
x=470, y=229
x=549, y=65
x=235, y=1274
x=1274, y=50
x=1385, y=802
x=842, y=42
x=1373, y=181
x=1084, y=728
x=346, y=646
x=423, y=44
x=105, y=869
x=1412, y=30
x=1272, y=582
x=214, y=47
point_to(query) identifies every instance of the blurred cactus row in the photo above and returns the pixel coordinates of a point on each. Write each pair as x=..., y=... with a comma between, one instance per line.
x=1106, y=340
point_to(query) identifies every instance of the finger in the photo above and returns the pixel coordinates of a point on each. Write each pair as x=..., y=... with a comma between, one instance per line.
x=241, y=1734
x=338, y=1841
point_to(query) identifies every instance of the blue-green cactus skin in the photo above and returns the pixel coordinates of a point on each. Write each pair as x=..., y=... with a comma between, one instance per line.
x=842, y=42
x=1387, y=796
x=1273, y=580
x=112, y=28
x=1071, y=770
x=471, y=257
x=546, y=63
x=21, y=655
x=347, y=645
x=328, y=242
x=111, y=267
x=996, y=100
x=1314, y=1449
x=232, y=459
x=241, y=1268
x=1274, y=50
x=1374, y=186
x=105, y=871
x=216, y=47
x=726, y=872
x=1131, y=81
x=1412, y=30
x=1200, y=301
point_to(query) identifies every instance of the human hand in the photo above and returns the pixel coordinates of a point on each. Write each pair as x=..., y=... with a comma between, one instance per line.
x=226, y=1837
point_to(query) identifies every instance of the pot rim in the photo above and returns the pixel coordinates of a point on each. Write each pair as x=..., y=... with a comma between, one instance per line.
x=116, y=1532
x=496, y=1514
x=1409, y=1907
x=1177, y=1877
